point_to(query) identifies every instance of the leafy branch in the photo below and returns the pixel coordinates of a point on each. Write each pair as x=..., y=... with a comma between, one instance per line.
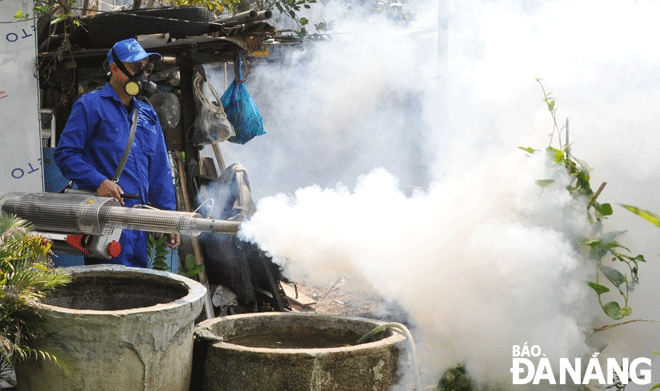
x=292, y=8
x=213, y=5
x=550, y=102
x=603, y=245
x=157, y=252
x=655, y=220
x=189, y=268
x=157, y=255
x=61, y=10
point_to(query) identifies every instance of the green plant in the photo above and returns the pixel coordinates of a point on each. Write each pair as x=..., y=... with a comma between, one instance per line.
x=190, y=268
x=291, y=8
x=60, y=9
x=393, y=9
x=455, y=379
x=26, y=274
x=212, y=5
x=157, y=255
x=645, y=214
x=157, y=252
x=655, y=220
x=604, y=247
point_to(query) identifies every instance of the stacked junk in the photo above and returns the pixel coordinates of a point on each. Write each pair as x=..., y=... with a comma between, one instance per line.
x=121, y=328
x=102, y=30
x=193, y=115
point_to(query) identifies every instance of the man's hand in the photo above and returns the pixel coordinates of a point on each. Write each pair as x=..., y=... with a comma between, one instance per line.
x=173, y=240
x=109, y=188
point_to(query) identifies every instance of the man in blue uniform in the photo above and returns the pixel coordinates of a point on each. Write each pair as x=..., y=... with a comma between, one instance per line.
x=95, y=138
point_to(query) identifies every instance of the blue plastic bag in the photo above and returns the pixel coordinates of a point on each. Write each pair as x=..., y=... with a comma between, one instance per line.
x=241, y=110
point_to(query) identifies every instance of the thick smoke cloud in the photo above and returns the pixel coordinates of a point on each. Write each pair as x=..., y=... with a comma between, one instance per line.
x=391, y=156
x=480, y=263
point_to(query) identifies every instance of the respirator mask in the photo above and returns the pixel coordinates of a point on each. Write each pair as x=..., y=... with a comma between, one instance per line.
x=138, y=83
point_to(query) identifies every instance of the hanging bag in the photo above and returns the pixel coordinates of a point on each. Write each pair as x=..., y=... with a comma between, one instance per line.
x=241, y=110
x=211, y=125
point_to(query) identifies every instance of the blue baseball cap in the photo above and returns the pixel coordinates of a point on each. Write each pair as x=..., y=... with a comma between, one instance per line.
x=130, y=50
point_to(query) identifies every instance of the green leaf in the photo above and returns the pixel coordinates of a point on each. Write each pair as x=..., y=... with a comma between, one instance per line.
x=304, y=21
x=544, y=182
x=196, y=270
x=598, y=248
x=604, y=209
x=655, y=387
x=615, y=276
x=58, y=19
x=612, y=244
x=645, y=214
x=587, y=241
x=555, y=154
x=600, y=289
x=613, y=310
x=583, y=183
x=528, y=149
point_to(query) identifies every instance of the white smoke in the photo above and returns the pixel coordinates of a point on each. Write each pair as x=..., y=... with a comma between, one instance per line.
x=481, y=258
x=480, y=263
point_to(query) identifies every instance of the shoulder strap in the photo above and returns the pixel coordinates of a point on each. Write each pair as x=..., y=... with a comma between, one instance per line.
x=127, y=151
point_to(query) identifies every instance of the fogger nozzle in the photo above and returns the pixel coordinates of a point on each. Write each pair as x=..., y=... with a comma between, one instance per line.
x=88, y=214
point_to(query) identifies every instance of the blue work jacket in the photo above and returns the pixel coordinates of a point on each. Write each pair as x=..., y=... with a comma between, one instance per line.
x=91, y=145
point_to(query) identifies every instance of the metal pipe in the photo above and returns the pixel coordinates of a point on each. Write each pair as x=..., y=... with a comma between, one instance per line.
x=154, y=220
x=243, y=17
x=262, y=15
x=213, y=225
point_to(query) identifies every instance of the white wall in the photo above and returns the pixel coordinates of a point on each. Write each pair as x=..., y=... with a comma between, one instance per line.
x=20, y=136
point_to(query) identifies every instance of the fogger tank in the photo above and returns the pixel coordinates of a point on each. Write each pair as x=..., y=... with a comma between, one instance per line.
x=103, y=217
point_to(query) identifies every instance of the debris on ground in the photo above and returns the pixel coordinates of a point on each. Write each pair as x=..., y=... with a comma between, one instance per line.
x=342, y=296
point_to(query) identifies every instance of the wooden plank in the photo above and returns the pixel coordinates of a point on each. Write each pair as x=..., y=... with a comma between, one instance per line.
x=300, y=298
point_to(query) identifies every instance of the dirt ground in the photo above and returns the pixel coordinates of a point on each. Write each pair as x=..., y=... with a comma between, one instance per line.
x=343, y=297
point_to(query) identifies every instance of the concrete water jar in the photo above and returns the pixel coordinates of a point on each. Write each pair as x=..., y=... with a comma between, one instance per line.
x=296, y=352
x=117, y=328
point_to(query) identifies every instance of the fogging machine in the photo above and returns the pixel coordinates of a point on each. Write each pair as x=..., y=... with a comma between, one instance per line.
x=85, y=224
